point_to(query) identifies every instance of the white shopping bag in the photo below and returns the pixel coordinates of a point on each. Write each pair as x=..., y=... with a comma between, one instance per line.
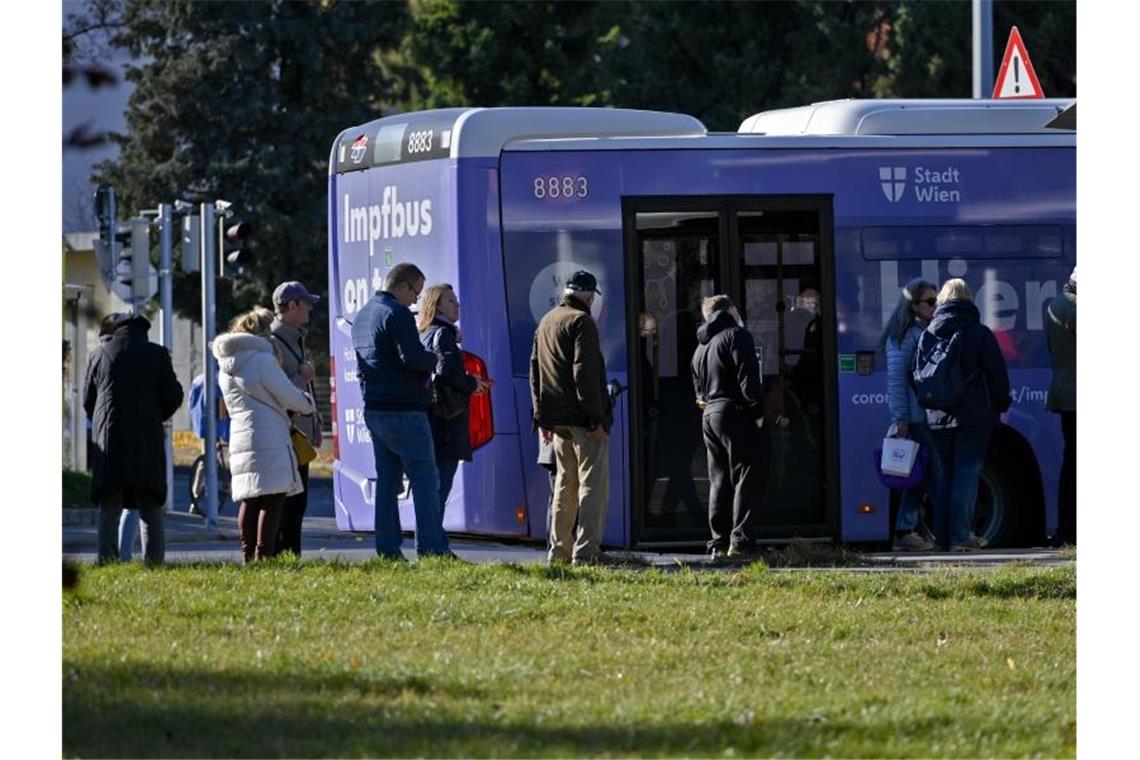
x=898, y=456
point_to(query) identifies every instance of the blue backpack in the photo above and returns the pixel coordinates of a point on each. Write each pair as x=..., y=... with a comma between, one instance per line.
x=939, y=380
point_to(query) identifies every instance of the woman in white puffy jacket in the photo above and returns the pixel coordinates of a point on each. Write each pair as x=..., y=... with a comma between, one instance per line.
x=258, y=397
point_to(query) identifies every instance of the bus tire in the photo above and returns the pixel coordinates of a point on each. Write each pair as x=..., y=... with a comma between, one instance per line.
x=1010, y=507
x=1009, y=511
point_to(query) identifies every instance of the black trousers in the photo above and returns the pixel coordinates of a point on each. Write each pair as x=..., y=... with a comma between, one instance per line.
x=738, y=465
x=292, y=514
x=1067, y=491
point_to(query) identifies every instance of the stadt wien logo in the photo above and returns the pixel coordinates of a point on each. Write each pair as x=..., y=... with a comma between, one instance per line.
x=893, y=181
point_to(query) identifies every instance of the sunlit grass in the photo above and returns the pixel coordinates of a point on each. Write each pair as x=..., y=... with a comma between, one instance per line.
x=432, y=658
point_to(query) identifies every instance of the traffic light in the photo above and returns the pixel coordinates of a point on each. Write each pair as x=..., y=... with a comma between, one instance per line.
x=106, y=213
x=132, y=279
x=140, y=261
x=235, y=245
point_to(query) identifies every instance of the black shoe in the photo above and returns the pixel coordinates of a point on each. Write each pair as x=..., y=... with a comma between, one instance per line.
x=718, y=554
x=393, y=557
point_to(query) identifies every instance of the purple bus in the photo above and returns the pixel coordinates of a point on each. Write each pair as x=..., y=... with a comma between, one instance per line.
x=809, y=218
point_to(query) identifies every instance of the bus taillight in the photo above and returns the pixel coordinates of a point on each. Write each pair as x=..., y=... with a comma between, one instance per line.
x=332, y=407
x=481, y=427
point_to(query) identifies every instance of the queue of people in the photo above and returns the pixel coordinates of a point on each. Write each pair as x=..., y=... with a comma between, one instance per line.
x=416, y=394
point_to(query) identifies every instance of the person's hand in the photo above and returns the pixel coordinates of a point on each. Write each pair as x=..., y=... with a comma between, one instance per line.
x=307, y=371
x=597, y=434
x=547, y=435
x=902, y=430
x=481, y=386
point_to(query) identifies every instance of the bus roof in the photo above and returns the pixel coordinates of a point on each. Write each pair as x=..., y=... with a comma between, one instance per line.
x=482, y=132
x=909, y=117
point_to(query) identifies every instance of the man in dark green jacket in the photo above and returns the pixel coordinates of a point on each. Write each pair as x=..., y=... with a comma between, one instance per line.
x=1061, y=335
x=571, y=407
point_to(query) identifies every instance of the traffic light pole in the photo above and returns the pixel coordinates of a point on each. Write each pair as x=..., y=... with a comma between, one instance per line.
x=166, y=326
x=209, y=389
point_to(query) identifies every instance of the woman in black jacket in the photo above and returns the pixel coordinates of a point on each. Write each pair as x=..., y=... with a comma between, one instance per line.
x=438, y=315
x=962, y=433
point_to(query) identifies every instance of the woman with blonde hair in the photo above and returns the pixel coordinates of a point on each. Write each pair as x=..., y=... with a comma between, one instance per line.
x=962, y=431
x=258, y=396
x=439, y=312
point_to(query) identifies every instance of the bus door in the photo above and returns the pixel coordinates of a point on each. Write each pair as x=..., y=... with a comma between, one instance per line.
x=772, y=257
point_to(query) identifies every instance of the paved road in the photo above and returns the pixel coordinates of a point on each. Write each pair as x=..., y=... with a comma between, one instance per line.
x=189, y=541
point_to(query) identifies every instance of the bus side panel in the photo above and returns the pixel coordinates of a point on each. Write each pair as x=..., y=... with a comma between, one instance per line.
x=490, y=487
x=382, y=216
x=883, y=243
x=546, y=237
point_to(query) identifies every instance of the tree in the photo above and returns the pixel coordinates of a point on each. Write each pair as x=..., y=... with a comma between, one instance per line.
x=242, y=101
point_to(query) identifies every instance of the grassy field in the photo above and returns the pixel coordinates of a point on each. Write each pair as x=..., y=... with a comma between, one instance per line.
x=436, y=659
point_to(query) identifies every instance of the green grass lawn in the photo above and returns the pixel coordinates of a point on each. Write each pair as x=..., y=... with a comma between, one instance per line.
x=436, y=659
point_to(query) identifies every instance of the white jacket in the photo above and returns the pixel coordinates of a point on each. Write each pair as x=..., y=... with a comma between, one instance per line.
x=258, y=396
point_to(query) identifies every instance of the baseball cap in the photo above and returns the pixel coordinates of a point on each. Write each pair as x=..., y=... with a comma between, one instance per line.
x=583, y=281
x=293, y=291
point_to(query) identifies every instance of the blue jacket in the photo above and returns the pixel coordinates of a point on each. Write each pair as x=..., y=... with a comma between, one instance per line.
x=988, y=393
x=901, y=399
x=394, y=369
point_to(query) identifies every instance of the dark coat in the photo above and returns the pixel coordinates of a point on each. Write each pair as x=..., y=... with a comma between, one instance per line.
x=130, y=391
x=725, y=369
x=1061, y=335
x=452, y=437
x=988, y=393
x=393, y=367
x=568, y=371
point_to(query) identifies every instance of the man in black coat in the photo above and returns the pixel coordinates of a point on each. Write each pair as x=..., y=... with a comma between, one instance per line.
x=1061, y=337
x=726, y=376
x=130, y=391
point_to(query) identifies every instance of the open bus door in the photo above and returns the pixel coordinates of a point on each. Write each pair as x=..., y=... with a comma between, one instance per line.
x=774, y=257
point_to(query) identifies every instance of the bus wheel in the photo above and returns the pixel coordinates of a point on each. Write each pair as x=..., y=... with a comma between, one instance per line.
x=1005, y=511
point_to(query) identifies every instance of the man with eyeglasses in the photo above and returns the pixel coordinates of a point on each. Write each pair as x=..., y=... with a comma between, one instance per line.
x=395, y=370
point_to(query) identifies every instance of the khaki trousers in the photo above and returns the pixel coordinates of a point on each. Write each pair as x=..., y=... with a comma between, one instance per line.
x=581, y=492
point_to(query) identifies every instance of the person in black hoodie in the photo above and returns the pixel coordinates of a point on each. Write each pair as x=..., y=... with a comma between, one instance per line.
x=129, y=392
x=438, y=334
x=726, y=377
x=962, y=433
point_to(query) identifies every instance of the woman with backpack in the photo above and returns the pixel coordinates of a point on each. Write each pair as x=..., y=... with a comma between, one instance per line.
x=908, y=420
x=452, y=386
x=259, y=397
x=963, y=406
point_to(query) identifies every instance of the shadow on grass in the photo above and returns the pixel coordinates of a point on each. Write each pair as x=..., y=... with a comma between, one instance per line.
x=127, y=710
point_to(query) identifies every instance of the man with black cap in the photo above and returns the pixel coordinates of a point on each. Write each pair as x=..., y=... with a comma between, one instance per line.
x=572, y=408
x=293, y=304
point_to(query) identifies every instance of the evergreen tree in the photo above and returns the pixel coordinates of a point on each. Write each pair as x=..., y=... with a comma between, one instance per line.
x=242, y=101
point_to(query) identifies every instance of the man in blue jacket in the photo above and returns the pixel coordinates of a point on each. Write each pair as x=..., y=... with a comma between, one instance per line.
x=395, y=372
x=726, y=377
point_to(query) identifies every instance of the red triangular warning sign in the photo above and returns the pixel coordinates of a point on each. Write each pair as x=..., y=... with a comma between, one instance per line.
x=1016, y=78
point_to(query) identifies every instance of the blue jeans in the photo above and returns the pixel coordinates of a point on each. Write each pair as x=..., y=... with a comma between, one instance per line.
x=911, y=502
x=961, y=451
x=153, y=536
x=447, y=470
x=128, y=531
x=402, y=442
